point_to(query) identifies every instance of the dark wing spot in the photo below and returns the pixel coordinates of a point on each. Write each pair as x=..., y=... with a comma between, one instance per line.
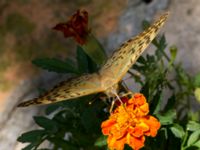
x=129, y=40
x=156, y=29
x=147, y=39
x=140, y=43
x=124, y=45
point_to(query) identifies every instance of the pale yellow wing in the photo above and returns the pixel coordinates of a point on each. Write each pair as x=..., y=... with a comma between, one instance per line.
x=124, y=57
x=84, y=85
x=114, y=69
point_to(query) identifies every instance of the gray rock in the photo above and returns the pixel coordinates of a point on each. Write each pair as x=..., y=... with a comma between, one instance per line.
x=182, y=29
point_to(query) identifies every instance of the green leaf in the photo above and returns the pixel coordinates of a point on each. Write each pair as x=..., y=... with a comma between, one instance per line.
x=156, y=103
x=193, y=126
x=197, y=80
x=197, y=94
x=145, y=90
x=51, y=108
x=101, y=141
x=92, y=66
x=90, y=120
x=170, y=103
x=141, y=60
x=55, y=65
x=197, y=144
x=94, y=50
x=163, y=41
x=177, y=130
x=193, y=138
x=29, y=147
x=31, y=136
x=82, y=60
x=145, y=24
x=46, y=123
x=173, y=52
x=167, y=118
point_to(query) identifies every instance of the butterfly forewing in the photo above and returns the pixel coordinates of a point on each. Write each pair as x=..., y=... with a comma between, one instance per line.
x=84, y=85
x=123, y=58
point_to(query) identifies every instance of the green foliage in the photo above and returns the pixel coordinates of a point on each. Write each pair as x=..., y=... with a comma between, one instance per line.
x=56, y=65
x=76, y=124
x=94, y=50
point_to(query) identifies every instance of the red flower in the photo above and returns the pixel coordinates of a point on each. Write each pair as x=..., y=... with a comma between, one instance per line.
x=76, y=27
x=130, y=124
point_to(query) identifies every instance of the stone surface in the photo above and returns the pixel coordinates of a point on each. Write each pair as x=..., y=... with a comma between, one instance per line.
x=182, y=29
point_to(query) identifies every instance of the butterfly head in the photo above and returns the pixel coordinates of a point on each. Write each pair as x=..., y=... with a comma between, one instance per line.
x=111, y=91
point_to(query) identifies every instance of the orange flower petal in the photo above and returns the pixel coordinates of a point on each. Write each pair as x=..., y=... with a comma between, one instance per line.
x=154, y=125
x=135, y=143
x=136, y=131
x=106, y=126
x=116, y=144
x=129, y=124
x=139, y=99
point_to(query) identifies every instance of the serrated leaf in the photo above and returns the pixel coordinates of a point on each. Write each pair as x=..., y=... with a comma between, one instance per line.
x=167, y=118
x=101, y=141
x=193, y=138
x=31, y=136
x=193, y=126
x=46, y=123
x=55, y=65
x=177, y=130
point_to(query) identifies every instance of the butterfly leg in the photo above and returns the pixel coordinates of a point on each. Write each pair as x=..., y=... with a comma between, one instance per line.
x=113, y=102
x=123, y=104
x=127, y=94
x=112, y=106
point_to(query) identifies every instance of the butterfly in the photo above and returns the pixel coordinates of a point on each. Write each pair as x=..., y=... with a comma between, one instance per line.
x=107, y=78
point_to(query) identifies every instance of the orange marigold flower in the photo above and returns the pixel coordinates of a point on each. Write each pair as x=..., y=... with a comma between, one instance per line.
x=130, y=124
x=76, y=26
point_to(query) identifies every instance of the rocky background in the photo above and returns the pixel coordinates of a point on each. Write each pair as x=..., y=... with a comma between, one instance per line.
x=25, y=34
